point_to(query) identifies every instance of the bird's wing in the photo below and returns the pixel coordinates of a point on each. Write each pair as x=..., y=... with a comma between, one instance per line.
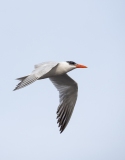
x=43, y=68
x=50, y=63
x=67, y=88
x=40, y=70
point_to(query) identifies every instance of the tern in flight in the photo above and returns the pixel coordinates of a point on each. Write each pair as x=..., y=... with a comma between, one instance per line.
x=67, y=87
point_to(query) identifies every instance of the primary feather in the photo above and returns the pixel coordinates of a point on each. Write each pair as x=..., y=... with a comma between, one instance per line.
x=68, y=89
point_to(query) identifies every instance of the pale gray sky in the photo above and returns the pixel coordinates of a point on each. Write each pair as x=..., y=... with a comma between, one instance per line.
x=87, y=32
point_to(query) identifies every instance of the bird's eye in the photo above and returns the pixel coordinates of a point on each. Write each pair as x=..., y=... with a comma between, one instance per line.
x=71, y=62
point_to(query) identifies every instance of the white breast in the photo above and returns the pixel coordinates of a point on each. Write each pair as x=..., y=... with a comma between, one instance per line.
x=61, y=68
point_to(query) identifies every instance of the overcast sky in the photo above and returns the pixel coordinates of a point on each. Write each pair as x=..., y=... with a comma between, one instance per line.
x=89, y=32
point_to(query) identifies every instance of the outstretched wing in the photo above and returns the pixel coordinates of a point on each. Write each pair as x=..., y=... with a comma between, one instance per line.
x=49, y=63
x=40, y=70
x=68, y=89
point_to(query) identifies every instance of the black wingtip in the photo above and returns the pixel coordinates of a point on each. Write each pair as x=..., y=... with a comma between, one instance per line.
x=61, y=129
x=15, y=89
x=61, y=132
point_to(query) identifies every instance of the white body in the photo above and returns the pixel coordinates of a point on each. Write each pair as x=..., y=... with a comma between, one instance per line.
x=59, y=69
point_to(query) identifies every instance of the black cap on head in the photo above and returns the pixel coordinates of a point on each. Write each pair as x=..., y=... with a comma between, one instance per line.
x=71, y=62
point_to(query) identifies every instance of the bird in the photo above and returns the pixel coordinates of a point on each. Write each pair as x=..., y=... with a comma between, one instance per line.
x=67, y=87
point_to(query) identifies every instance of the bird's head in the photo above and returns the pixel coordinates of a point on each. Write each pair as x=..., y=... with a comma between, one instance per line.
x=67, y=66
x=74, y=65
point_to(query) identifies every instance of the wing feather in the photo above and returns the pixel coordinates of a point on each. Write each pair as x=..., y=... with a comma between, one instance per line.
x=68, y=89
x=28, y=80
x=39, y=72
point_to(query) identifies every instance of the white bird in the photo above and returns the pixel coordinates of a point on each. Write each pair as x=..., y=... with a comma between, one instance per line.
x=66, y=86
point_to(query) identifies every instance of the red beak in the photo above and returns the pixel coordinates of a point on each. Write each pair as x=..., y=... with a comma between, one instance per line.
x=80, y=66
